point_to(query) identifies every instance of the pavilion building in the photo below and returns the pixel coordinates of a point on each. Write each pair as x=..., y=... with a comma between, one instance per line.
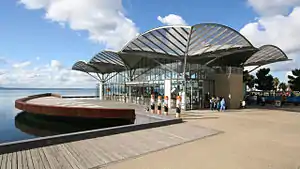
x=196, y=62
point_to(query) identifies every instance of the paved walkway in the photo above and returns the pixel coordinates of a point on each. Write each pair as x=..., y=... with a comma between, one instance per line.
x=98, y=152
x=252, y=139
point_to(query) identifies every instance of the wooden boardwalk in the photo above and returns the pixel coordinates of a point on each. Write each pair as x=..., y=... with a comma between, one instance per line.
x=99, y=152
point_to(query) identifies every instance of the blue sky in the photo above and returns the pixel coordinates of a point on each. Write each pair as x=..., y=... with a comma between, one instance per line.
x=27, y=35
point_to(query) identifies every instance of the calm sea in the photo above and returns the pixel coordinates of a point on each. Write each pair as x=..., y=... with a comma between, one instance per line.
x=24, y=126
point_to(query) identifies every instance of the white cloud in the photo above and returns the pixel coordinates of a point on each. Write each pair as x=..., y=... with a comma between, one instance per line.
x=269, y=8
x=55, y=64
x=52, y=75
x=103, y=19
x=22, y=64
x=279, y=30
x=172, y=19
x=37, y=58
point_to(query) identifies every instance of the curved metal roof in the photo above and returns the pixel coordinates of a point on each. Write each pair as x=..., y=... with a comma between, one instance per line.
x=192, y=40
x=107, y=62
x=168, y=40
x=211, y=37
x=265, y=55
x=84, y=67
x=210, y=44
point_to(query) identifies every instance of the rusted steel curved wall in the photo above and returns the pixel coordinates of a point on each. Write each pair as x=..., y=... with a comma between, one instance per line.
x=64, y=111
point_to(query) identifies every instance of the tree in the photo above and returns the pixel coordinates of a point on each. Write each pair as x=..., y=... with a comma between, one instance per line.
x=264, y=80
x=275, y=83
x=282, y=86
x=294, y=80
x=248, y=79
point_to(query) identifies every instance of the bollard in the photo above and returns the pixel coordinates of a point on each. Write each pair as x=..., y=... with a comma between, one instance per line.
x=166, y=107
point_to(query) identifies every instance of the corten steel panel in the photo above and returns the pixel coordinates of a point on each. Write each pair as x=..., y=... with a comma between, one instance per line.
x=222, y=86
x=64, y=111
x=236, y=90
x=232, y=84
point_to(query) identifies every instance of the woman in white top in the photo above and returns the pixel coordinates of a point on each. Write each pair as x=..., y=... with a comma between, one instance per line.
x=159, y=104
x=166, y=107
x=152, y=103
x=178, y=106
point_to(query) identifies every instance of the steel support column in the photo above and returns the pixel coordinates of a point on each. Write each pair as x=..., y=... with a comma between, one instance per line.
x=101, y=90
x=184, y=69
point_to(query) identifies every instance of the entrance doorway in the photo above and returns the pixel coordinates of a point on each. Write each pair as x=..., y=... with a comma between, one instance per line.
x=194, y=95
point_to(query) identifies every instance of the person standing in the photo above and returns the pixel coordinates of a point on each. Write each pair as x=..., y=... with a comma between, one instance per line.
x=159, y=103
x=166, y=107
x=211, y=103
x=152, y=103
x=178, y=107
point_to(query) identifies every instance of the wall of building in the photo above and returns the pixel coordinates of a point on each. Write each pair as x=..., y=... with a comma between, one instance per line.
x=226, y=85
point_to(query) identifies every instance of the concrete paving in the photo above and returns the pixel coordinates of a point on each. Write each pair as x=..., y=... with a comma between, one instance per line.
x=252, y=139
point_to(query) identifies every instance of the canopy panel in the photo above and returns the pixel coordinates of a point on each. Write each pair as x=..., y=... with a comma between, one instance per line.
x=168, y=40
x=211, y=37
x=108, y=62
x=84, y=67
x=265, y=55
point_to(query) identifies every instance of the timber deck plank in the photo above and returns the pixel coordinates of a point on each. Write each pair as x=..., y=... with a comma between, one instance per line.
x=14, y=164
x=9, y=162
x=101, y=151
x=24, y=159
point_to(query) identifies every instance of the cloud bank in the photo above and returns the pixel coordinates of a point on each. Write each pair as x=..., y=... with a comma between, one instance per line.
x=53, y=75
x=104, y=20
x=279, y=24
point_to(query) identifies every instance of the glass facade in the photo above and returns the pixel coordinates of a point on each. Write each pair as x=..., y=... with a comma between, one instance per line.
x=136, y=85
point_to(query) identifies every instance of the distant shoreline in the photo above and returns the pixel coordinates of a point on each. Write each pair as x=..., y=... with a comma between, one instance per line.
x=10, y=88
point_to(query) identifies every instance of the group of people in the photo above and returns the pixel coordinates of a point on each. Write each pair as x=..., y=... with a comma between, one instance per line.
x=160, y=103
x=164, y=104
x=217, y=103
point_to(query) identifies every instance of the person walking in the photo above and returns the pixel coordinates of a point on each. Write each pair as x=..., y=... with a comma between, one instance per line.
x=223, y=104
x=218, y=103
